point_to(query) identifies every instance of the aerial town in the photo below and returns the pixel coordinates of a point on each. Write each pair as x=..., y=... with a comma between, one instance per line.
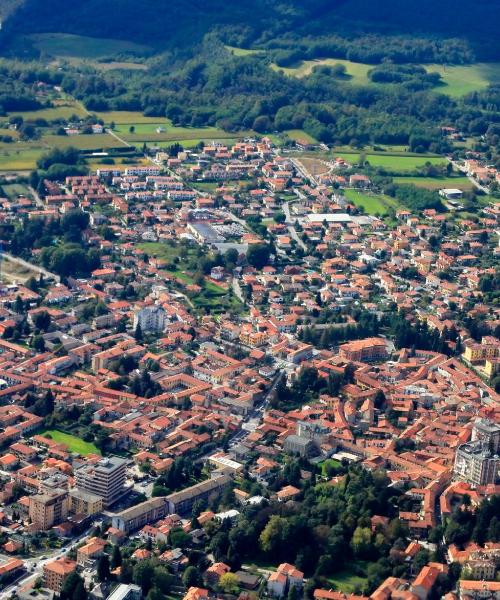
x=221, y=378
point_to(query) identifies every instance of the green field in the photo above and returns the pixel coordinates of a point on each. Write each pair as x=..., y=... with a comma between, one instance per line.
x=457, y=80
x=347, y=581
x=300, y=135
x=128, y=117
x=356, y=73
x=65, y=45
x=19, y=159
x=83, y=142
x=74, y=443
x=373, y=204
x=15, y=190
x=242, y=51
x=437, y=183
x=64, y=110
x=394, y=162
x=463, y=79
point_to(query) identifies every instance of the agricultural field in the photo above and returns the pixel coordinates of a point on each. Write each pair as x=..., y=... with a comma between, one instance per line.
x=373, y=204
x=65, y=45
x=74, y=443
x=127, y=117
x=19, y=159
x=102, y=141
x=437, y=183
x=300, y=135
x=63, y=109
x=394, y=162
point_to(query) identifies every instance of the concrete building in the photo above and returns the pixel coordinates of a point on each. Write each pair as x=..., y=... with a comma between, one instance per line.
x=81, y=502
x=48, y=509
x=126, y=592
x=182, y=502
x=488, y=433
x=105, y=479
x=136, y=517
x=475, y=464
x=151, y=319
x=55, y=573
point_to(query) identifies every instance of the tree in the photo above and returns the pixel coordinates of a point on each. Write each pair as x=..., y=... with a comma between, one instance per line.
x=103, y=568
x=73, y=581
x=229, y=583
x=192, y=577
x=138, y=333
x=143, y=575
x=126, y=572
x=38, y=343
x=361, y=540
x=116, y=557
x=258, y=255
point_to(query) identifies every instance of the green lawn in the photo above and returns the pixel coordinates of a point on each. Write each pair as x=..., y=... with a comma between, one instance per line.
x=63, y=110
x=74, y=443
x=372, y=203
x=346, y=581
x=329, y=461
x=437, y=183
x=62, y=45
x=394, y=162
x=14, y=190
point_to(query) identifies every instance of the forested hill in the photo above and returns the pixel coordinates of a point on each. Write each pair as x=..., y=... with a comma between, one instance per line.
x=182, y=23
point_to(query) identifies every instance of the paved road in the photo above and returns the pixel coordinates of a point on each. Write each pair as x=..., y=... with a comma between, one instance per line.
x=291, y=229
x=471, y=179
x=37, y=565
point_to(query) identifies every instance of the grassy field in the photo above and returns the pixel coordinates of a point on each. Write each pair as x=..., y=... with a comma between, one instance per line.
x=14, y=190
x=127, y=117
x=437, y=183
x=19, y=159
x=14, y=273
x=74, y=443
x=462, y=79
x=356, y=73
x=392, y=161
x=300, y=135
x=347, y=581
x=457, y=80
x=372, y=204
x=329, y=462
x=83, y=142
x=242, y=51
x=63, y=109
x=62, y=45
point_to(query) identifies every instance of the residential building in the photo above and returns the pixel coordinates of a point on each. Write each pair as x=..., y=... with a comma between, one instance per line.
x=82, y=502
x=48, y=509
x=56, y=572
x=151, y=319
x=105, y=479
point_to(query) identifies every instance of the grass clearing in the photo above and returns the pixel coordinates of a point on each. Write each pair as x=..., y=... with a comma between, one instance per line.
x=356, y=73
x=15, y=190
x=61, y=110
x=128, y=117
x=242, y=51
x=436, y=183
x=13, y=272
x=62, y=45
x=347, y=580
x=459, y=80
x=329, y=462
x=73, y=442
x=373, y=204
x=300, y=135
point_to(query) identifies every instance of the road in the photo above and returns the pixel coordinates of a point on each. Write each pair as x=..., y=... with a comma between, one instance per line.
x=37, y=565
x=291, y=229
x=476, y=184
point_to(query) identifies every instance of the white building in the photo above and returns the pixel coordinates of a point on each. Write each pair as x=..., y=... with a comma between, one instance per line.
x=151, y=319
